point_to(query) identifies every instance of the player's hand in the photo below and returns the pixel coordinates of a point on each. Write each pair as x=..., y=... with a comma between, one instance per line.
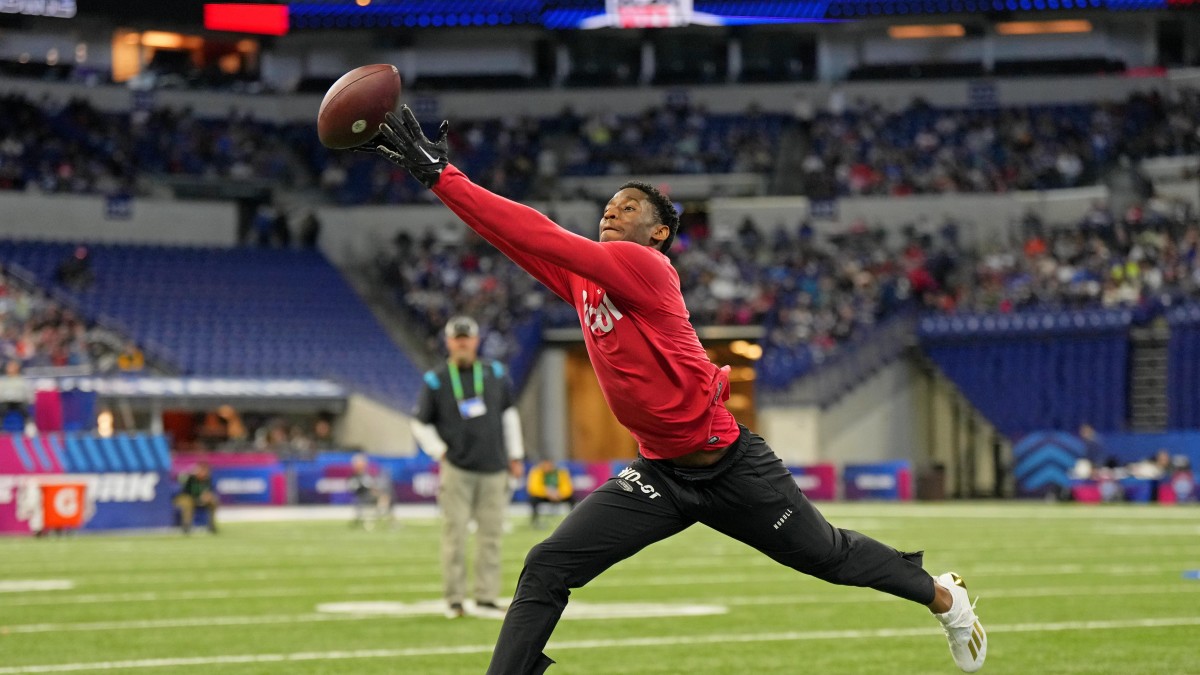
x=406, y=145
x=516, y=468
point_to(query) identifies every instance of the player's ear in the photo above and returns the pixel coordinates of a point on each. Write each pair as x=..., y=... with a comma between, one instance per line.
x=659, y=234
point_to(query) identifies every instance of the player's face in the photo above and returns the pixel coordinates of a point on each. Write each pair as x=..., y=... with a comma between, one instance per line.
x=629, y=216
x=462, y=348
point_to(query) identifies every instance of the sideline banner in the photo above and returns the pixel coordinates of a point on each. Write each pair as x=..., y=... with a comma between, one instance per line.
x=885, y=480
x=818, y=481
x=66, y=481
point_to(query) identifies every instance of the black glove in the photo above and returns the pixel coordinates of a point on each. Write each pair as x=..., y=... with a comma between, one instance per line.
x=405, y=144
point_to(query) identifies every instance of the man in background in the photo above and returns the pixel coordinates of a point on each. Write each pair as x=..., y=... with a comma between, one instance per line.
x=466, y=419
x=197, y=492
x=371, y=499
x=15, y=397
x=548, y=484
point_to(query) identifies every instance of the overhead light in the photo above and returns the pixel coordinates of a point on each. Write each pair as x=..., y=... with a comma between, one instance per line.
x=932, y=30
x=162, y=40
x=1044, y=27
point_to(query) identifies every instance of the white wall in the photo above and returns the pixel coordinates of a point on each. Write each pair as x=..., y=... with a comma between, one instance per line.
x=793, y=432
x=31, y=215
x=879, y=420
x=881, y=49
x=355, y=234
x=376, y=428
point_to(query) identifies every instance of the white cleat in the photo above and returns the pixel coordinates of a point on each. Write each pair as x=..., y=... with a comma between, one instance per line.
x=968, y=641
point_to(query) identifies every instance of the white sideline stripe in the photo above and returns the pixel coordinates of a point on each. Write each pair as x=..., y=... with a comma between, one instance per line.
x=154, y=596
x=27, y=585
x=662, y=641
x=678, y=580
x=735, y=601
x=178, y=623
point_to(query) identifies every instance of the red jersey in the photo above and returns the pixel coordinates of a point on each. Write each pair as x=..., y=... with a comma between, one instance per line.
x=654, y=374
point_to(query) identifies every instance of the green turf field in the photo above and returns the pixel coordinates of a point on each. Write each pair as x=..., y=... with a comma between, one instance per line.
x=1064, y=589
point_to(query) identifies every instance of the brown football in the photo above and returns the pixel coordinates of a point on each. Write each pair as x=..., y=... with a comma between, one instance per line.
x=354, y=106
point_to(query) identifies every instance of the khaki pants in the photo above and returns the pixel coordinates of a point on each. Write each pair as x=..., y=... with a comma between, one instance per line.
x=187, y=509
x=465, y=496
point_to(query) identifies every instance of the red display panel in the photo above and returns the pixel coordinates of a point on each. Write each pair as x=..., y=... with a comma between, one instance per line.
x=245, y=18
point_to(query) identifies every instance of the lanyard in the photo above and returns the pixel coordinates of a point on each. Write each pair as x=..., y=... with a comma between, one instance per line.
x=456, y=383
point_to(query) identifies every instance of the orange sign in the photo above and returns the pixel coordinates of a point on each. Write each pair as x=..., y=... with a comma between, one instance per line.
x=63, y=505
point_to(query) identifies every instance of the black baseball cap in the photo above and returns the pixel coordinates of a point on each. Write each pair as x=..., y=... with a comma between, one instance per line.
x=462, y=326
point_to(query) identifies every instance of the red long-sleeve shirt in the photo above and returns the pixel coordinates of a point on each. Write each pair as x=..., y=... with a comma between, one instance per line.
x=654, y=374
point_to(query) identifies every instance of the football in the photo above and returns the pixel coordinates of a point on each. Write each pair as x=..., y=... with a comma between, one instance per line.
x=354, y=106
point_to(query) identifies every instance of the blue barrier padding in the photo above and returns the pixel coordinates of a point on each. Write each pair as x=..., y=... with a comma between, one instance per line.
x=109, y=448
x=125, y=448
x=146, y=453
x=80, y=460
x=22, y=454
x=159, y=443
x=54, y=442
x=99, y=460
x=39, y=452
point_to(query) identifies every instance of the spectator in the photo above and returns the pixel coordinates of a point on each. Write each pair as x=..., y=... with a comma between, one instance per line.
x=468, y=423
x=548, y=484
x=372, y=500
x=197, y=492
x=15, y=397
x=322, y=438
x=131, y=360
x=76, y=271
x=310, y=230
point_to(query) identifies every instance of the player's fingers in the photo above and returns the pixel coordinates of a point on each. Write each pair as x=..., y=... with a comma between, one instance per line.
x=389, y=153
x=410, y=122
x=443, y=132
x=397, y=135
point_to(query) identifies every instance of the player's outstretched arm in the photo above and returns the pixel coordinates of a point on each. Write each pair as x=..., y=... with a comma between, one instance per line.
x=532, y=240
x=405, y=144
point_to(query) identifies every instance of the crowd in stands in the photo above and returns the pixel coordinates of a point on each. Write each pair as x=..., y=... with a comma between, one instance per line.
x=866, y=150
x=852, y=148
x=40, y=333
x=815, y=292
x=226, y=428
x=434, y=279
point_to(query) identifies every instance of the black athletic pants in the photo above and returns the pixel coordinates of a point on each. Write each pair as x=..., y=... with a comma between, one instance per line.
x=748, y=495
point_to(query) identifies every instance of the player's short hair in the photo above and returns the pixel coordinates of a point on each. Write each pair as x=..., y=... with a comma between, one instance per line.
x=664, y=208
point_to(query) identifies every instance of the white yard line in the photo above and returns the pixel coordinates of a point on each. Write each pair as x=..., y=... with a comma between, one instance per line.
x=733, y=601
x=153, y=596
x=615, y=580
x=30, y=585
x=660, y=641
x=194, y=622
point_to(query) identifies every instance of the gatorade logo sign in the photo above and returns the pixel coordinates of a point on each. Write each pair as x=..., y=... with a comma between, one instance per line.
x=64, y=505
x=66, y=500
